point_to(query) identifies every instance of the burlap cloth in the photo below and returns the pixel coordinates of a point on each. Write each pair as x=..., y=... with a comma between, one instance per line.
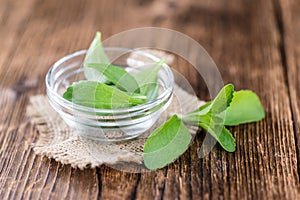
x=58, y=141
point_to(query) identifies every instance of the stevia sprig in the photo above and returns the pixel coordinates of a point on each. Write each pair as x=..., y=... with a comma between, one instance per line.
x=228, y=108
x=99, y=95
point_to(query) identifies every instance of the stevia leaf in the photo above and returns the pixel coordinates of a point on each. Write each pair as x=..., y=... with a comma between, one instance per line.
x=166, y=143
x=196, y=118
x=217, y=106
x=95, y=54
x=221, y=134
x=244, y=108
x=99, y=95
x=147, y=80
x=204, y=108
x=223, y=99
x=117, y=76
x=153, y=92
x=214, y=125
x=211, y=117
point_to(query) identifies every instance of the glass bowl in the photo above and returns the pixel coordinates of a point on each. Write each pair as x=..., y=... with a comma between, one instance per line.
x=108, y=124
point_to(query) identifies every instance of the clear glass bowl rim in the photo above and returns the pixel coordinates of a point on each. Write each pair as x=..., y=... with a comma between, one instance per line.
x=166, y=94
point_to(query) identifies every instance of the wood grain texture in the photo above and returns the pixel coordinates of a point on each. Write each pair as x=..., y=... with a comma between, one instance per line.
x=288, y=20
x=254, y=44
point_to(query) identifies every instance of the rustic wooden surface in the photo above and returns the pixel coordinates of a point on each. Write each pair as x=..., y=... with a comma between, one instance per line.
x=255, y=44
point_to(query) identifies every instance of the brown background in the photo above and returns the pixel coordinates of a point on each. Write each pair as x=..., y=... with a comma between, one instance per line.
x=254, y=43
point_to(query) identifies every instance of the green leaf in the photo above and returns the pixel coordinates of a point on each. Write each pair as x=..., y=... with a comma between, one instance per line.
x=148, y=81
x=211, y=117
x=95, y=54
x=208, y=110
x=99, y=95
x=117, y=76
x=195, y=118
x=228, y=108
x=166, y=143
x=222, y=135
x=204, y=108
x=223, y=99
x=153, y=92
x=244, y=108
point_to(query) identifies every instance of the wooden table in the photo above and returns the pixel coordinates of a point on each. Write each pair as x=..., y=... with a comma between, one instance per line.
x=256, y=46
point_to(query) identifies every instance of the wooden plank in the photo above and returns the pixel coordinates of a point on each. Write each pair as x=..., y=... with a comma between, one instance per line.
x=118, y=184
x=267, y=149
x=23, y=174
x=246, y=49
x=13, y=19
x=288, y=16
x=257, y=65
x=243, y=37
